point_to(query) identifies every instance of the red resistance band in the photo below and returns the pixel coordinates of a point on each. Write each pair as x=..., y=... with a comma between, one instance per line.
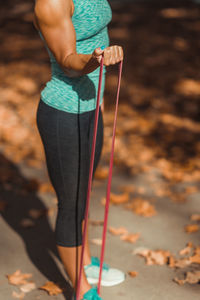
x=90, y=179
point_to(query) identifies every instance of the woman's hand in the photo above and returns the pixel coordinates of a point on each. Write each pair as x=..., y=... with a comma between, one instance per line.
x=112, y=55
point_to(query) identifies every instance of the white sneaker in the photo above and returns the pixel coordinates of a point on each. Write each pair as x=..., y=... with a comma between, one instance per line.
x=110, y=276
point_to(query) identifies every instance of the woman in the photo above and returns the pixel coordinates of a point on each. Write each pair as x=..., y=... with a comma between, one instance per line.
x=65, y=119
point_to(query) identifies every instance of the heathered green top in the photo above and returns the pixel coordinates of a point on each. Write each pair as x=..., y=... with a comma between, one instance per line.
x=78, y=95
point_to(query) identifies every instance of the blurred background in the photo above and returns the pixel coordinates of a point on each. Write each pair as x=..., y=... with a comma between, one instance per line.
x=158, y=122
x=157, y=152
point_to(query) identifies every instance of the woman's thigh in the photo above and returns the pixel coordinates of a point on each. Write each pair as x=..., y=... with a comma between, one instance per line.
x=67, y=140
x=99, y=138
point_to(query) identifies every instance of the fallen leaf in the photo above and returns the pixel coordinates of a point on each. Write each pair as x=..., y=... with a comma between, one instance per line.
x=118, y=231
x=179, y=281
x=101, y=173
x=36, y=213
x=46, y=187
x=18, y=278
x=28, y=287
x=141, y=251
x=172, y=261
x=27, y=223
x=142, y=207
x=195, y=217
x=155, y=257
x=52, y=288
x=195, y=259
x=191, y=228
x=187, y=249
x=131, y=238
x=191, y=277
x=119, y=199
x=182, y=263
x=197, y=250
x=132, y=273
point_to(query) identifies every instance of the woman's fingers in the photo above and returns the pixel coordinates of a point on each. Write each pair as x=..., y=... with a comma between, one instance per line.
x=112, y=55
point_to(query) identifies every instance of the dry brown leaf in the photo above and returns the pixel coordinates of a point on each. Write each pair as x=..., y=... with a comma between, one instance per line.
x=179, y=281
x=132, y=274
x=187, y=249
x=156, y=257
x=18, y=295
x=118, y=231
x=119, y=199
x=191, y=277
x=197, y=250
x=142, y=207
x=52, y=288
x=97, y=242
x=46, y=187
x=36, y=213
x=101, y=173
x=182, y=263
x=28, y=287
x=18, y=278
x=130, y=238
x=27, y=223
x=159, y=257
x=195, y=217
x=195, y=259
x=141, y=251
x=172, y=261
x=191, y=228
x=174, y=13
x=188, y=87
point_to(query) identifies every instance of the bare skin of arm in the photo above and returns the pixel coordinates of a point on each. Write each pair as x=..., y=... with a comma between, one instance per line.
x=53, y=19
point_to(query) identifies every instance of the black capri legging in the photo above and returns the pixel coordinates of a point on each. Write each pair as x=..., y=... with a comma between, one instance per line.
x=67, y=140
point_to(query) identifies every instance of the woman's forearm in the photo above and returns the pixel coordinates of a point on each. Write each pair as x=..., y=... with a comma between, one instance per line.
x=76, y=65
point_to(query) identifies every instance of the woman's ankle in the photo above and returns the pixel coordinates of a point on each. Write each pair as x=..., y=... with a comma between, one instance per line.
x=83, y=290
x=87, y=261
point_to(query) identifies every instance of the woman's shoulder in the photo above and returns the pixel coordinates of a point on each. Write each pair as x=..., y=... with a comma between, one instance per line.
x=50, y=11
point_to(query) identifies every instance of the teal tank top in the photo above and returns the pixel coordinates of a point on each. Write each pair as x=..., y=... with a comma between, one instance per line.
x=78, y=95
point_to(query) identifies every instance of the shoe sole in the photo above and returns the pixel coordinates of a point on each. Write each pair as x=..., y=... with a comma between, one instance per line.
x=104, y=283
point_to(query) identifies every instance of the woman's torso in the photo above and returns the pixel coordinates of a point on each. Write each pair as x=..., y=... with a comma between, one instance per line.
x=77, y=95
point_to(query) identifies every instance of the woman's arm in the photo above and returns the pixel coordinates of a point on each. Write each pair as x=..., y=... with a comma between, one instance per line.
x=54, y=21
x=53, y=18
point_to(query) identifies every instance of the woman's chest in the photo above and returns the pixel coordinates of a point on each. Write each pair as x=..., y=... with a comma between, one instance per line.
x=90, y=16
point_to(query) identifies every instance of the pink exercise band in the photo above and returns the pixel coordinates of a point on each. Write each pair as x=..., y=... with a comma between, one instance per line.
x=90, y=179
